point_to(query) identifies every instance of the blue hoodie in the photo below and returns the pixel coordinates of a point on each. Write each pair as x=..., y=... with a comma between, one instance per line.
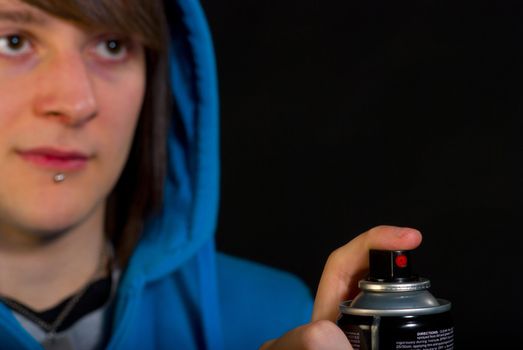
x=177, y=291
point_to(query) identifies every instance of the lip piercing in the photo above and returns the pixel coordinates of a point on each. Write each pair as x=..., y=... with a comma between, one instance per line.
x=60, y=177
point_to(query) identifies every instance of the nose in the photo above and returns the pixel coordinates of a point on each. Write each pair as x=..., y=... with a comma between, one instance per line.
x=65, y=90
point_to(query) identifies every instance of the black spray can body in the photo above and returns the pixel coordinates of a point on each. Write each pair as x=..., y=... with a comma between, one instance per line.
x=395, y=310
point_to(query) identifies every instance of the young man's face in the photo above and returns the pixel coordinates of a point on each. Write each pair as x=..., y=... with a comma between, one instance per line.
x=69, y=103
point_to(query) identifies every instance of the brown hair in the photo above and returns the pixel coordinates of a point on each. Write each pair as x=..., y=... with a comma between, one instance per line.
x=139, y=190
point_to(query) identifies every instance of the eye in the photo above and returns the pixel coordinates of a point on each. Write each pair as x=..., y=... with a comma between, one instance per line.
x=112, y=49
x=14, y=45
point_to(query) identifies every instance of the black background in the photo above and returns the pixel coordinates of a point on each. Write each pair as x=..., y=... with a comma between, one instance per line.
x=341, y=115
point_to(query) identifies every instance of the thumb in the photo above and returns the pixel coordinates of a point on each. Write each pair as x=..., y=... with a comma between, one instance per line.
x=319, y=335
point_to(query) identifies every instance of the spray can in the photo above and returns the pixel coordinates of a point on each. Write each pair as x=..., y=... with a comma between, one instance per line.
x=395, y=310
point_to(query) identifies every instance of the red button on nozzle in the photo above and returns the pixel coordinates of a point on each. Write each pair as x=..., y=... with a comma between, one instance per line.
x=390, y=266
x=401, y=261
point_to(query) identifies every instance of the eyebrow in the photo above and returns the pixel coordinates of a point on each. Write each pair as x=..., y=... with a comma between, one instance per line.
x=18, y=16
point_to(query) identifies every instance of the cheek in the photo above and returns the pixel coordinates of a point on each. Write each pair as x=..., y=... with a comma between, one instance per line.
x=15, y=96
x=120, y=108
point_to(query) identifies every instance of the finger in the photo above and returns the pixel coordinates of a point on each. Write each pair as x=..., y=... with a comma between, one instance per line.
x=320, y=335
x=348, y=264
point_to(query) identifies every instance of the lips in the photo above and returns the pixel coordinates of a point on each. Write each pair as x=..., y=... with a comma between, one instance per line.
x=56, y=159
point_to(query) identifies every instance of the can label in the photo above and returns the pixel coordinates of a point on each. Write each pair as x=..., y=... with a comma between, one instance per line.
x=424, y=332
x=436, y=339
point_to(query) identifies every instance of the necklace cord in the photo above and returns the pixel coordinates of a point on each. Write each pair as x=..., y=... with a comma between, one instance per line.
x=51, y=328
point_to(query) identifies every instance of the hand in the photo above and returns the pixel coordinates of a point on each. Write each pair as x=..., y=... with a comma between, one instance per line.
x=344, y=268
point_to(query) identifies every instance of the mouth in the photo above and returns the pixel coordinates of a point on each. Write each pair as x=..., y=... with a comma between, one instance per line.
x=55, y=159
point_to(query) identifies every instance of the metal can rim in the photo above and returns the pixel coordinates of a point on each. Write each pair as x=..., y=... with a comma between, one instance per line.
x=444, y=305
x=388, y=287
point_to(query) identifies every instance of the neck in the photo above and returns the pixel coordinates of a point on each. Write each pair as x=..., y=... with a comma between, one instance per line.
x=41, y=273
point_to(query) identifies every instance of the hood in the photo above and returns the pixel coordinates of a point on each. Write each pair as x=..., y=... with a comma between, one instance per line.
x=187, y=219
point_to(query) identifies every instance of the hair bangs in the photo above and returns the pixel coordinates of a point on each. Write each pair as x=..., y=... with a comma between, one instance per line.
x=132, y=17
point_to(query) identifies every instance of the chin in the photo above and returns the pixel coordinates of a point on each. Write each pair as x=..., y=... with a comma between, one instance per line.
x=50, y=227
x=53, y=226
x=45, y=209
x=55, y=220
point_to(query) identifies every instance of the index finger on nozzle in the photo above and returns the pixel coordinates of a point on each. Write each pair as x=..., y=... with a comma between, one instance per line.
x=351, y=258
x=346, y=265
x=392, y=238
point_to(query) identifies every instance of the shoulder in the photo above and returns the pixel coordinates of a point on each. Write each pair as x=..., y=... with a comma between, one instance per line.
x=259, y=302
